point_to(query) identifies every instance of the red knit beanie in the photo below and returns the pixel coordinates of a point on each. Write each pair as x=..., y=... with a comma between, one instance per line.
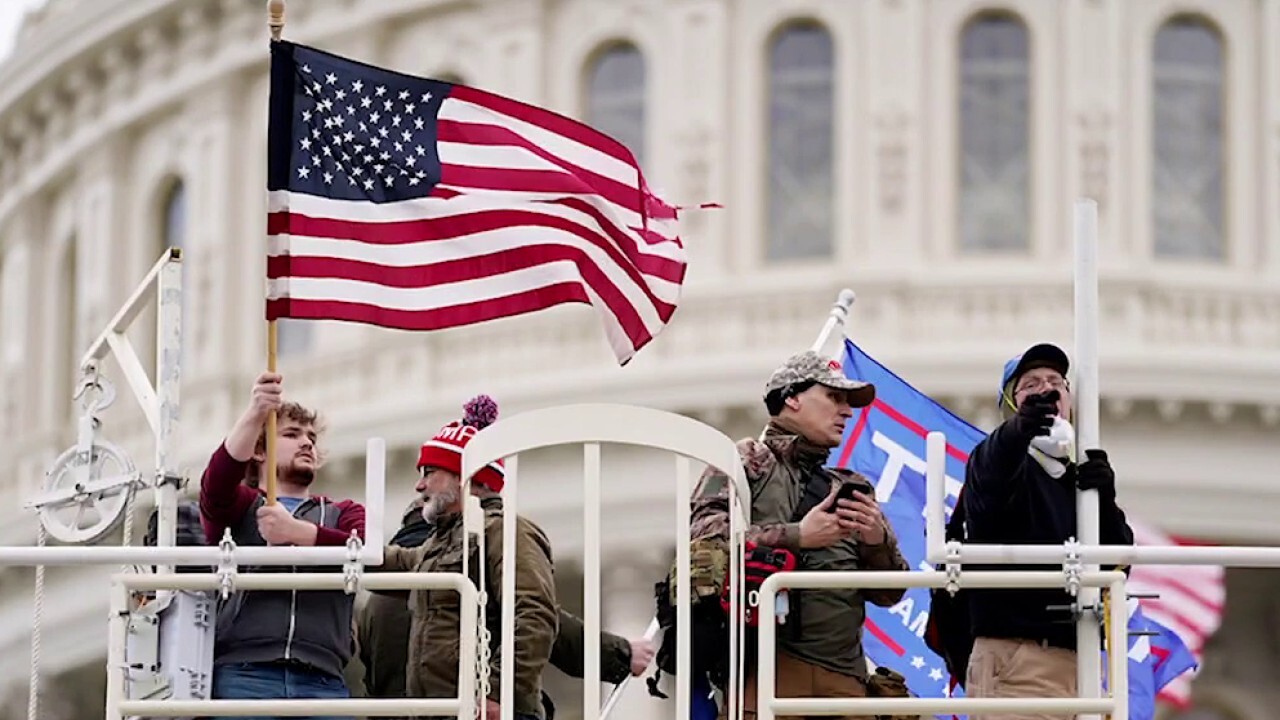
x=444, y=451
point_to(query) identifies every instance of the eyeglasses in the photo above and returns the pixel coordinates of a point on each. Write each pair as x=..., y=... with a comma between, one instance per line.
x=1040, y=384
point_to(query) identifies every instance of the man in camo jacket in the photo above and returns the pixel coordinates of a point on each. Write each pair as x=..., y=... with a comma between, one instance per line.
x=820, y=648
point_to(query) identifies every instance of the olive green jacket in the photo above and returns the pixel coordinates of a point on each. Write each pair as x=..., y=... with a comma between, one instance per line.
x=433, y=636
x=825, y=626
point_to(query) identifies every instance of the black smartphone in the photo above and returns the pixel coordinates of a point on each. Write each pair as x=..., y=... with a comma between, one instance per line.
x=846, y=492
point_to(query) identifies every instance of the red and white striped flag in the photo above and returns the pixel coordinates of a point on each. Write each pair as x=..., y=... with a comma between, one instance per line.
x=1190, y=603
x=410, y=203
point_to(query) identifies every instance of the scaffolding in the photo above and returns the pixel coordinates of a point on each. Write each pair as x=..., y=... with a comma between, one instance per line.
x=77, y=478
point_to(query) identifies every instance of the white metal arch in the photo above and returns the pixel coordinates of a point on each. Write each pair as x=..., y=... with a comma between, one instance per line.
x=591, y=425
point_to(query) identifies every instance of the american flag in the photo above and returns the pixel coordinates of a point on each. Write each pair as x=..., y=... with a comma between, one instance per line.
x=416, y=204
x=1190, y=603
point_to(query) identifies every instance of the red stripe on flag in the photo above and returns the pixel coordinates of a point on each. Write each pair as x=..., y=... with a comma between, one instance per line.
x=883, y=637
x=555, y=122
x=858, y=427
x=435, y=319
x=620, y=194
x=918, y=429
x=446, y=273
x=451, y=227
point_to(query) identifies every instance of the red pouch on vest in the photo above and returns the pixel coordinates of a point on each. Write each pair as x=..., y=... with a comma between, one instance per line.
x=761, y=562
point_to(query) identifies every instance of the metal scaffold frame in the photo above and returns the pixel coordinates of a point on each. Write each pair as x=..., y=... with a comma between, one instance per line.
x=591, y=426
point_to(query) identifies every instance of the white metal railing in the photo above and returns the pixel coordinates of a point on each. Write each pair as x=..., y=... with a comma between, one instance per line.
x=591, y=425
x=1117, y=704
x=118, y=708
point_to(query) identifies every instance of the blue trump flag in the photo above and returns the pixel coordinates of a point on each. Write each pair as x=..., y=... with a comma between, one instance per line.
x=886, y=443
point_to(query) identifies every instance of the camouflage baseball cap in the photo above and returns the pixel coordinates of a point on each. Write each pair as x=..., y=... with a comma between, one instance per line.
x=809, y=366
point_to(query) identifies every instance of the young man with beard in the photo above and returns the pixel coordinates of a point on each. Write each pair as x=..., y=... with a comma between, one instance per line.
x=277, y=644
x=433, y=635
x=794, y=507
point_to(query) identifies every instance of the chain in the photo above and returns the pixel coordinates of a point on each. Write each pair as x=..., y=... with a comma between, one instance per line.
x=482, y=651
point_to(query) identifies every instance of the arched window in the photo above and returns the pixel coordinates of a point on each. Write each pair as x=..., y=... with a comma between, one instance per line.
x=1188, y=139
x=995, y=134
x=801, y=142
x=615, y=96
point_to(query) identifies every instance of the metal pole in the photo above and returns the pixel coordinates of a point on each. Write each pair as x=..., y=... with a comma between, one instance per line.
x=591, y=577
x=1088, y=631
x=116, y=638
x=1227, y=556
x=1119, y=656
x=935, y=496
x=836, y=319
x=684, y=614
x=169, y=294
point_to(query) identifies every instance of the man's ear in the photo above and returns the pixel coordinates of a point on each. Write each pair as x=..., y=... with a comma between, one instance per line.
x=260, y=456
x=792, y=402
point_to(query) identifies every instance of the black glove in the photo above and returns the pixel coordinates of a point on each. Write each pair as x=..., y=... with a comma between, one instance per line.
x=1035, y=416
x=1096, y=474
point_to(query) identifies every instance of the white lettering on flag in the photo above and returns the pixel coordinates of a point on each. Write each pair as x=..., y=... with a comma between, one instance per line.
x=900, y=457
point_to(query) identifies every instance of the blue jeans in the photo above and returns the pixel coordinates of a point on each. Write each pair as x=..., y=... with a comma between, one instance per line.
x=271, y=681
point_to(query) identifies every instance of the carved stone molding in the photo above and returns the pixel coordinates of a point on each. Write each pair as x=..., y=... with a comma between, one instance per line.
x=891, y=157
x=1095, y=155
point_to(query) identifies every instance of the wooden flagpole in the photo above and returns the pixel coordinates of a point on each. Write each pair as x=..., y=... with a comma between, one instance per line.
x=275, y=22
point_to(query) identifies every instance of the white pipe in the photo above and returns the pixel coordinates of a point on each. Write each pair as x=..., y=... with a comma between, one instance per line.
x=1088, y=637
x=768, y=705
x=292, y=708
x=168, y=407
x=591, y=576
x=839, y=311
x=684, y=618
x=1119, y=656
x=865, y=707
x=187, y=555
x=375, y=499
x=935, y=528
x=993, y=579
x=98, y=349
x=301, y=581
x=116, y=639
x=650, y=633
x=509, y=511
x=1227, y=556
x=737, y=568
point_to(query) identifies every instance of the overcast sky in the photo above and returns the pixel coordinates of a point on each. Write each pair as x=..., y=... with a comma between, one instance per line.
x=11, y=12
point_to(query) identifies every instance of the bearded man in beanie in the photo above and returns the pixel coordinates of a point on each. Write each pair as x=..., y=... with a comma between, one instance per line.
x=433, y=636
x=1020, y=488
x=795, y=508
x=385, y=619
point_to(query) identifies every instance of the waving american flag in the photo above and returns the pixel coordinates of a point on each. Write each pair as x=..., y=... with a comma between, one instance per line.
x=411, y=203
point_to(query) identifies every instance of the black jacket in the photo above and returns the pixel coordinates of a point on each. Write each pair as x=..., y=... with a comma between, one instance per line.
x=1010, y=499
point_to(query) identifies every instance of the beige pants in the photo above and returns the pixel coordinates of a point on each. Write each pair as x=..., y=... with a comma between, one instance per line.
x=1019, y=669
x=796, y=679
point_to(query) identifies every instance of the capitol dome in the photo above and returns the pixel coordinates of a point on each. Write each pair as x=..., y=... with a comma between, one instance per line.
x=924, y=153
